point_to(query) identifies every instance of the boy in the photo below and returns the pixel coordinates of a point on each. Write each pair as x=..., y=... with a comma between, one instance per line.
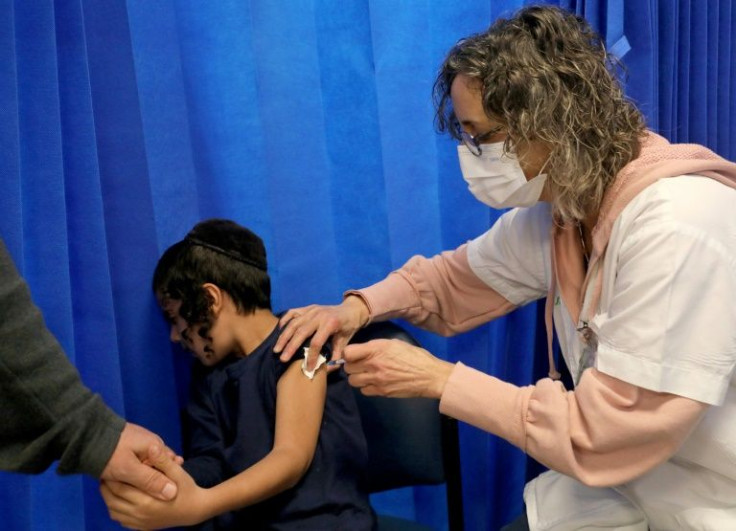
x=278, y=449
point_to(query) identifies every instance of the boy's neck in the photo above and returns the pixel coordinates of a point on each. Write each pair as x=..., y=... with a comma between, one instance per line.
x=253, y=330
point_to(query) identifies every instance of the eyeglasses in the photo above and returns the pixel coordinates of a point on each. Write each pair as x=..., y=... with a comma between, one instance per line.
x=473, y=142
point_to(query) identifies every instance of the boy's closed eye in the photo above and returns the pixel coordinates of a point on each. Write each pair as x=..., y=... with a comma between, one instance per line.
x=185, y=336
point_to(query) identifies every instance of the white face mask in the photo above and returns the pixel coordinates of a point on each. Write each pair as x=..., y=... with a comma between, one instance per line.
x=497, y=180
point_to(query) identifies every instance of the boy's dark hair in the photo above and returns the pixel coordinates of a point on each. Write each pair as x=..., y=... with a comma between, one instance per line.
x=223, y=253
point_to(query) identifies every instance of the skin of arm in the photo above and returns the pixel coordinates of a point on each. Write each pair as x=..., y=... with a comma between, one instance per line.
x=299, y=407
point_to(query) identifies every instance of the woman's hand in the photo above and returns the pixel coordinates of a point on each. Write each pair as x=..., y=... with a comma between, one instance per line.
x=128, y=463
x=395, y=368
x=136, y=509
x=321, y=322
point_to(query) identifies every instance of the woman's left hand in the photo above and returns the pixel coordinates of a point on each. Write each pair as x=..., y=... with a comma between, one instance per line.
x=395, y=368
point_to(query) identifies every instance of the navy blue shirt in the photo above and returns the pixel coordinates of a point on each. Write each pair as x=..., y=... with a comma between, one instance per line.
x=231, y=421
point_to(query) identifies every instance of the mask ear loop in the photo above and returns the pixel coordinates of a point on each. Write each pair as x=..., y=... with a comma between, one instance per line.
x=541, y=176
x=541, y=170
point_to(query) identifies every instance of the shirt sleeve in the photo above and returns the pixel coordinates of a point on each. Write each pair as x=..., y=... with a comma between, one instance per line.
x=441, y=294
x=47, y=412
x=513, y=257
x=280, y=367
x=458, y=290
x=604, y=433
x=669, y=326
x=203, y=439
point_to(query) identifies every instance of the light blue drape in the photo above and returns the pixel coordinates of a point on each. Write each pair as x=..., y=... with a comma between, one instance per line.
x=122, y=123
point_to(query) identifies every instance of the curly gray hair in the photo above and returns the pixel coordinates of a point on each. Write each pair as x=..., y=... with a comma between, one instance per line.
x=546, y=75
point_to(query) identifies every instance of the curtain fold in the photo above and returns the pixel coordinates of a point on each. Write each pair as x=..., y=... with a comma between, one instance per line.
x=123, y=123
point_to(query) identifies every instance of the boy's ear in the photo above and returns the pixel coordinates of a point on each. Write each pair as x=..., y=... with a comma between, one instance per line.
x=214, y=294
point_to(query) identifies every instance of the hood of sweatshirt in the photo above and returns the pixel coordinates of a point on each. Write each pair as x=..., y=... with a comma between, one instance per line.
x=658, y=159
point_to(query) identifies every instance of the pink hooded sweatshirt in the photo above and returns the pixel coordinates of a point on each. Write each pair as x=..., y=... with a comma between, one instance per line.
x=604, y=433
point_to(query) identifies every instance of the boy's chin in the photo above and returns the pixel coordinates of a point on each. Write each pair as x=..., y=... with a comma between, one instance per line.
x=208, y=359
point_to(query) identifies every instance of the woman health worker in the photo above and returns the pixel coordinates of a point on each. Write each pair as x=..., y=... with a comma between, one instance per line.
x=631, y=239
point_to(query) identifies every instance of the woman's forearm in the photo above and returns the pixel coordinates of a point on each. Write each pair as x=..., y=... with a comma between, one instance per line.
x=605, y=433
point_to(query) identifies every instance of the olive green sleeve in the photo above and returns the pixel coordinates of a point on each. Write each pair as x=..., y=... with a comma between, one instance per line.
x=46, y=412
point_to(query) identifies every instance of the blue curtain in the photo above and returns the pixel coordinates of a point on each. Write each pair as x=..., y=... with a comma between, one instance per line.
x=122, y=123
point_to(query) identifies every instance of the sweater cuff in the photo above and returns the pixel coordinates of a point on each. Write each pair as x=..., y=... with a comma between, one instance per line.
x=487, y=403
x=95, y=435
x=359, y=294
x=388, y=298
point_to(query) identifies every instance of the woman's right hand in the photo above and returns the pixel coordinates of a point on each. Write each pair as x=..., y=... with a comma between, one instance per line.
x=339, y=322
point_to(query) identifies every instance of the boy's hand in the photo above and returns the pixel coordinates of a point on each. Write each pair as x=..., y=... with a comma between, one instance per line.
x=136, y=509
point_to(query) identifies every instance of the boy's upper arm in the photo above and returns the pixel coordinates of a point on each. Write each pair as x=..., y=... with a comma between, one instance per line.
x=299, y=407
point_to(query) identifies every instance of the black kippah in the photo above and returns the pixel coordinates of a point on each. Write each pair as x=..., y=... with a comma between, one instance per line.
x=229, y=239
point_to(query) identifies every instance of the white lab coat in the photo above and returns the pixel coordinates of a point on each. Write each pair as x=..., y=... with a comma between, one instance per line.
x=666, y=322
